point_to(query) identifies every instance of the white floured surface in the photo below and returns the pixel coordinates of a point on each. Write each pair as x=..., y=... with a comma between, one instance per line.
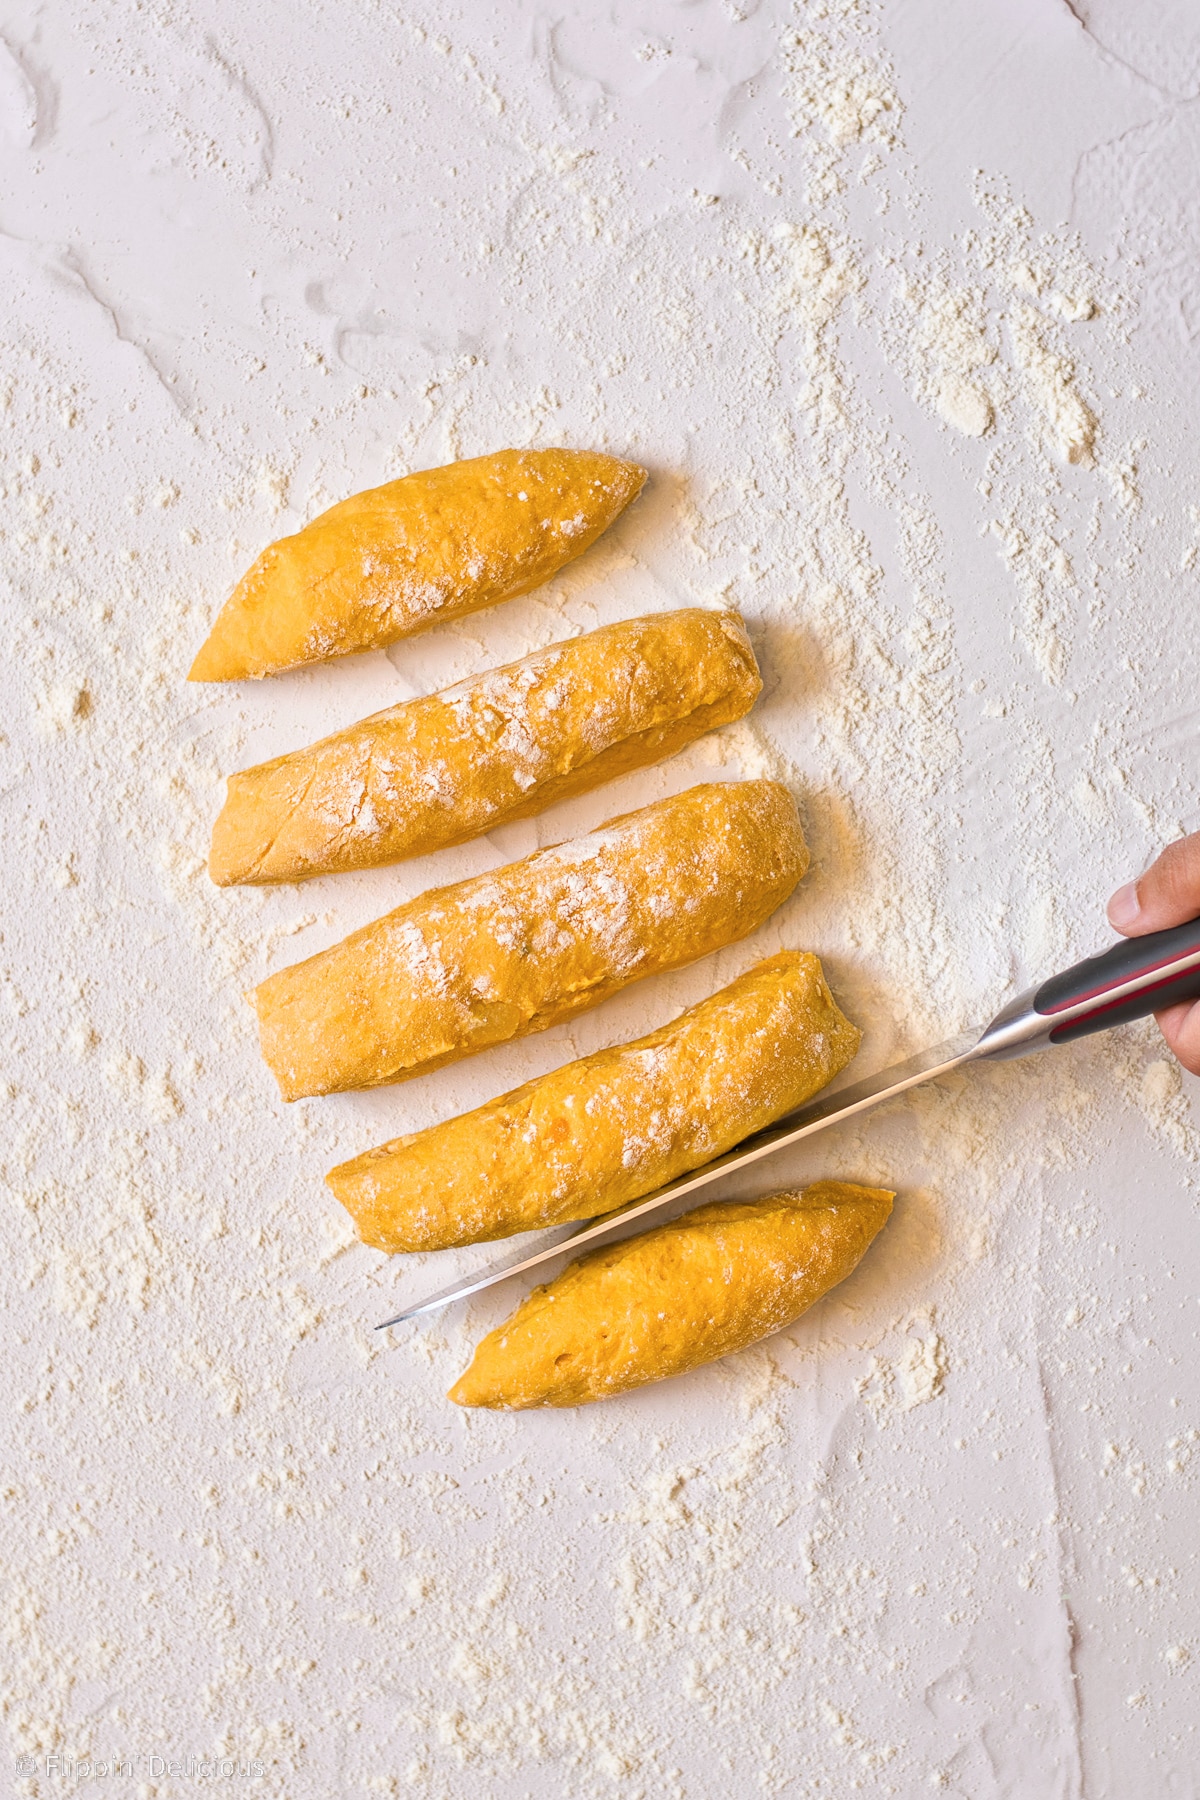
x=902, y=325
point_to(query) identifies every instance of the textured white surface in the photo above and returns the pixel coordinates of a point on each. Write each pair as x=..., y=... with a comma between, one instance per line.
x=940, y=1536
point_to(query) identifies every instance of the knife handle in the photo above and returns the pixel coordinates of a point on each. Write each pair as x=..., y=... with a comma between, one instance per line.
x=1166, y=964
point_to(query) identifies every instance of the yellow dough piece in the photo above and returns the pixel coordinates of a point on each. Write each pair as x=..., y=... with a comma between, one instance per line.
x=414, y=553
x=704, y=1285
x=498, y=747
x=533, y=942
x=613, y=1126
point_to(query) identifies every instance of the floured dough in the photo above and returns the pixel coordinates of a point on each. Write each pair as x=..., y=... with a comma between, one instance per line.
x=533, y=942
x=498, y=747
x=700, y=1287
x=595, y=1133
x=416, y=552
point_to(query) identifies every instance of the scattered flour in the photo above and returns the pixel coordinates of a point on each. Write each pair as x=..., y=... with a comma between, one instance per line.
x=1050, y=383
x=220, y=1485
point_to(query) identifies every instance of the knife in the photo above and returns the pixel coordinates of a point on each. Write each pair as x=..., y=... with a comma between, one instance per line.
x=1135, y=977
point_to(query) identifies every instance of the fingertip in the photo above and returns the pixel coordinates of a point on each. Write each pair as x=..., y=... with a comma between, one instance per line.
x=1124, y=908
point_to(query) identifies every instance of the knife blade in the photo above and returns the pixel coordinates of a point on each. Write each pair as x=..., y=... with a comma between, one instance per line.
x=1132, y=978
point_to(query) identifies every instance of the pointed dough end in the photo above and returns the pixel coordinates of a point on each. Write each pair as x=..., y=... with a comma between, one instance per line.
x=214, y=661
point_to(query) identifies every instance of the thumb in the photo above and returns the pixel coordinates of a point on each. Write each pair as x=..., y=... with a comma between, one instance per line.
x=1167, y=894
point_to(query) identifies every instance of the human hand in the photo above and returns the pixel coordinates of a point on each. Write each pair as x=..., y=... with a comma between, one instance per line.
x=1167, y=894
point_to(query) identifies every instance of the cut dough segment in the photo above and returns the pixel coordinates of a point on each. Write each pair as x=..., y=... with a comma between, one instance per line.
x=604, y=1130
x=497, y=747
x=700, y=1287
x=534, y=942
x=414, y=553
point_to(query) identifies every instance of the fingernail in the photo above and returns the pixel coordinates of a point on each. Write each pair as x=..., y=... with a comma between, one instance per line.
x=1123, y=908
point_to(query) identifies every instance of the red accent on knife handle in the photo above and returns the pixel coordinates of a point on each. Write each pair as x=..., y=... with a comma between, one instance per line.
x=1097, y=976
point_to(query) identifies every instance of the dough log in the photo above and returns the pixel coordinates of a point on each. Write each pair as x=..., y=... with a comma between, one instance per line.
x=536, y=941
x=704, y=1285
x=498, y=747
x=430, y=547
x=611, y=1127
